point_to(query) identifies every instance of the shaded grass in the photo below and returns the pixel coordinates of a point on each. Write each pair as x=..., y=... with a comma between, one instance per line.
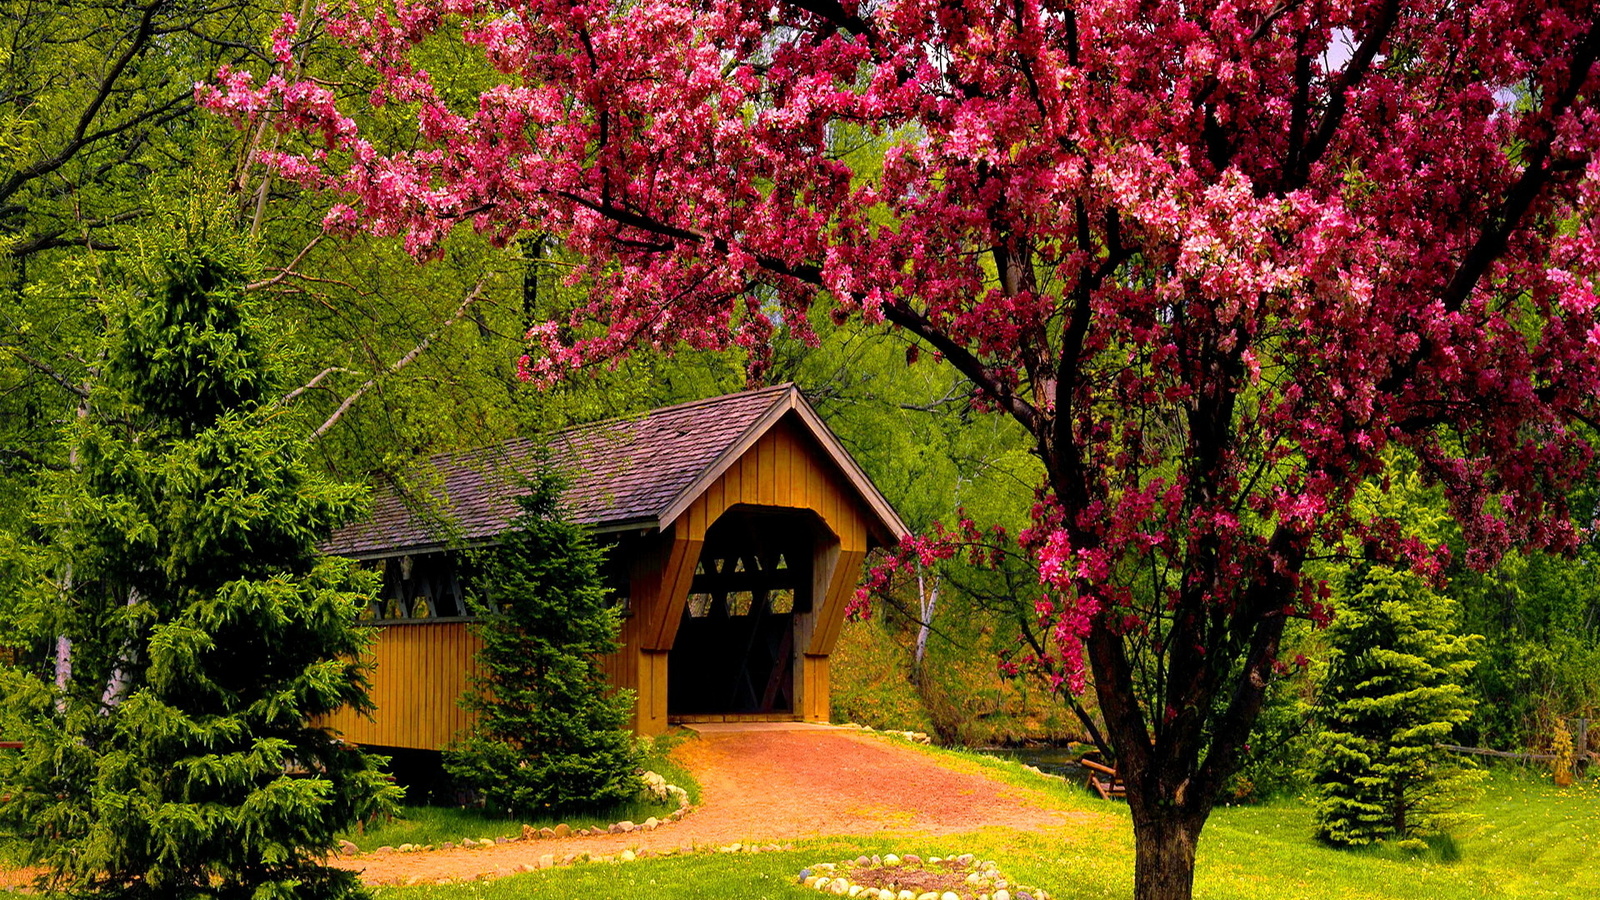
x=438, y=824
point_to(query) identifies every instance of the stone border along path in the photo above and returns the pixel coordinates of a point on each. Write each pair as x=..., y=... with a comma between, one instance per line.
x=764, y=785
x=653, y=784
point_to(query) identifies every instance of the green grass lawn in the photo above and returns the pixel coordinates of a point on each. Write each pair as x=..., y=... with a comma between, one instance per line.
x=1528, y=840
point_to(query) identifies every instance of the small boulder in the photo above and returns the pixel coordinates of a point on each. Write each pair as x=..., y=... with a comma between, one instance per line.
x=546, y=861
x=348, y=848
x=562, y=830
x=627, y=856
x=547, y=833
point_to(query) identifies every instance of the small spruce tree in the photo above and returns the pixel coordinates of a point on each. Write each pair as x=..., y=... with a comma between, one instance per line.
x=1393, y=690
x=549, y=737
x=187, y=632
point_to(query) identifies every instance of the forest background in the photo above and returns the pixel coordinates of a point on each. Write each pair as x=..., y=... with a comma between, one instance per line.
x=106, y=163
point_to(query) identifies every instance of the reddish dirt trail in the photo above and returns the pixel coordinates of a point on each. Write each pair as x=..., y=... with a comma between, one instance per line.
x=773, y=784
x=770, y=784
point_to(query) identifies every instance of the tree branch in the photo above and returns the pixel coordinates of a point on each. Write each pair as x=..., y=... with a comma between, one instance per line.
x=406, y=360
x=50, y=372
x=80, y=134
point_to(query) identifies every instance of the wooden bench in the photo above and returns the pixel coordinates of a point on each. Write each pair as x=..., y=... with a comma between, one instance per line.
x=1104, y=780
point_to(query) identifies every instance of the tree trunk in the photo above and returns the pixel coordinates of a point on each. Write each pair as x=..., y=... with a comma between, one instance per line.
x=927, y=601
x=1164, y=856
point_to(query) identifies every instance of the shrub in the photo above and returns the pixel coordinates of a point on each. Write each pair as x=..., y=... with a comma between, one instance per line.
x=549, y=737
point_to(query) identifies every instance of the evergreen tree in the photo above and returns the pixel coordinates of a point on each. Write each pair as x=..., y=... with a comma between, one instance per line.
x=549, y=737
x=193, y=633
x=1393, y=691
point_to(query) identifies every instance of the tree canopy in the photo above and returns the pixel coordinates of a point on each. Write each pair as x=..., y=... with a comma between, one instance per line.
x=1214, y=259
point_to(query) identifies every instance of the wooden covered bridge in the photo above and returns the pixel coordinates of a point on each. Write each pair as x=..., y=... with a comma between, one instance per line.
x=737, y=529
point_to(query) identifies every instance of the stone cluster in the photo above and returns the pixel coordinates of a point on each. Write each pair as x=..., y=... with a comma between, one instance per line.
x=915, y=737
x=964, y=877
x=655, y=788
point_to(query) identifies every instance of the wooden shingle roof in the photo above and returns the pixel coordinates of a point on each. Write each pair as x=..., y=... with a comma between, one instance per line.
x=640, y=472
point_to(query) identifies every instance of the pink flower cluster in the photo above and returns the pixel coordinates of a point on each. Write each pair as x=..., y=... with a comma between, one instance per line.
x=1225, y=262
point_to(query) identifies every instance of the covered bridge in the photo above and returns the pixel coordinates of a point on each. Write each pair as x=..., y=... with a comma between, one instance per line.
x=737, y=529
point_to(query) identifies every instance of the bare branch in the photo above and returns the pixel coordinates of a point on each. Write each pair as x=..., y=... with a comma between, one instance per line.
x=287, y=270
x=80, y=134
x=310, y=385
x=406, y=360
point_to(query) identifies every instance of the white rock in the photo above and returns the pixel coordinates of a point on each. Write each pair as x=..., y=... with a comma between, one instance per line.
x=1002, y=894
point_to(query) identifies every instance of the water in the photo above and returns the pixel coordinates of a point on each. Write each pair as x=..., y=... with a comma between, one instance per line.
x=1055, y=760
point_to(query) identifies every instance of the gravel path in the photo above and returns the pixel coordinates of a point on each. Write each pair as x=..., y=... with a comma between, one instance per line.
x=773, y=784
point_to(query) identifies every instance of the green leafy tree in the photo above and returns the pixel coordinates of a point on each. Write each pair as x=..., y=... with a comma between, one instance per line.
x=192, y=634
x=549, y=737
x=1393, y=691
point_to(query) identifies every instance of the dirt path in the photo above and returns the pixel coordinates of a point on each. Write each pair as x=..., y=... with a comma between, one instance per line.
x=772, y=785
x=761, y=785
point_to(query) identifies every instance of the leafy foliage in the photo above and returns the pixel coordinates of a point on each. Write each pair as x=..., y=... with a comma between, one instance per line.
x=549, y=737
x=1540, y=615
x=171, y=749
x=1213, y=259
x=1393, y=690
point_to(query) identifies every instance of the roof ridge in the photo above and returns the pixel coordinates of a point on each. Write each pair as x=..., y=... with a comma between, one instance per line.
x=434, y=460
x=676, y=407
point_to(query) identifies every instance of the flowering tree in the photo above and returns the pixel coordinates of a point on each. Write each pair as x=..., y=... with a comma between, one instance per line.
x=1222, y=261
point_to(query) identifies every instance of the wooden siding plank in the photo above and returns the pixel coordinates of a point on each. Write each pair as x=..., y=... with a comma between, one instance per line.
x=420, y=672
x=747, y=478
x=783, y=485
x=716, y=499
x=767, y=456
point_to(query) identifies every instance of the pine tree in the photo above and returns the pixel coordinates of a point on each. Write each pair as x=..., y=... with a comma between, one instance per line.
x=1393, y=691
x=194, y=632
x=549, y=737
